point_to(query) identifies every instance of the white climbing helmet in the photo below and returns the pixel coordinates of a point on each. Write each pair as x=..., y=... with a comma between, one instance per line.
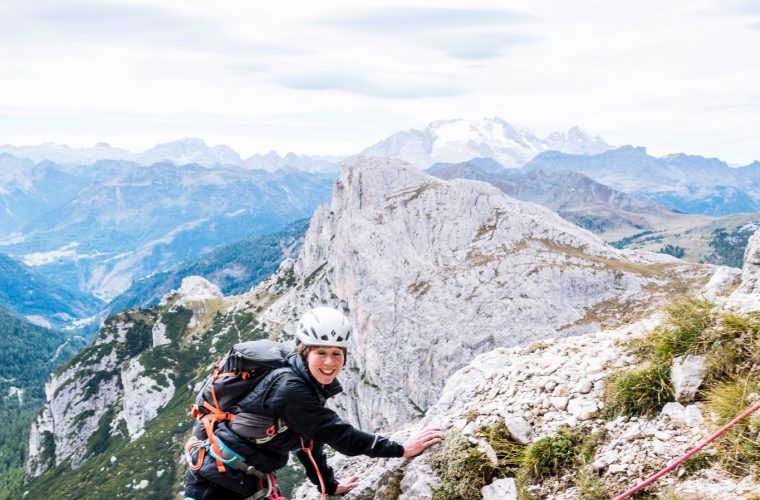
x=324, y=326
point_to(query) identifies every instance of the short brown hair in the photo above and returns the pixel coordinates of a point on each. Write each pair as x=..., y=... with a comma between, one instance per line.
x=304, y=349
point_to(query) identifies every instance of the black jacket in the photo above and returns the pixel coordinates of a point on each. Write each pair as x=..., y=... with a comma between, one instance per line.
x=299, y=400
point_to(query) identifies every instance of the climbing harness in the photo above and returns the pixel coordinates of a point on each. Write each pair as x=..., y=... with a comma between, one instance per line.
x=681, y=460
x=267, y=481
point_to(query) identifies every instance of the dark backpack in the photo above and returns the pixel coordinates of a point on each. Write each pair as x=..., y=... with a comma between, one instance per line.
x=234, y=377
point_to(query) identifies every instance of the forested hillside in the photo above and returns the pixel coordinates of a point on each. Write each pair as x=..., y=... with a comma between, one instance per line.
x=234, y=268
x=28, y=353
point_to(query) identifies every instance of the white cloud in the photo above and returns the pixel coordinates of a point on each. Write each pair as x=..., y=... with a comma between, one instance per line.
x=336, y=76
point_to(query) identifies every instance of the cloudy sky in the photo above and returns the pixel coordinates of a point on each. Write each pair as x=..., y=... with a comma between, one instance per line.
x=335, y=76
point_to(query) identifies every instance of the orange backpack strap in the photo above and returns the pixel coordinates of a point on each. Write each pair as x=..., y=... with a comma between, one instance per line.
x=208, y=422
x=208, y=425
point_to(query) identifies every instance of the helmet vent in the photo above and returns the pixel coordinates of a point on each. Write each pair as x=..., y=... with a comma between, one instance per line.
x=324, y=326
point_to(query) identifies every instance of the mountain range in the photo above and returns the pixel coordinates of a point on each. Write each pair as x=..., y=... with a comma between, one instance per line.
x=575, y=197
x=454, y=141
x=29, y=190
x=180, y=152
x=442, y=141
x=99, y=226
x=690, y=184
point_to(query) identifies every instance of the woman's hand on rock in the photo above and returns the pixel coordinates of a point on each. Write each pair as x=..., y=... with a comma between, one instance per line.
x=347, y=485
x=417, y=444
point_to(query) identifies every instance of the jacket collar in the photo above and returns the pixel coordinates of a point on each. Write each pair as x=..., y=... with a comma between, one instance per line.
x=324, y=391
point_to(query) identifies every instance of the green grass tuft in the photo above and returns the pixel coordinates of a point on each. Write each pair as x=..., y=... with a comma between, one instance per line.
x=681, y=333
x=739, y=448
x=462, y=468
x=570, y=449
x=547, y=456
x=636, y=392
x=508, y=451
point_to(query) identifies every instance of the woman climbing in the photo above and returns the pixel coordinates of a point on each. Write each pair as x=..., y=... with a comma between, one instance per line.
x=289, y=403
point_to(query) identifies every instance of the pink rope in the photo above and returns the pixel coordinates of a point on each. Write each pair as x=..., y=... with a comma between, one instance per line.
x=681, y=460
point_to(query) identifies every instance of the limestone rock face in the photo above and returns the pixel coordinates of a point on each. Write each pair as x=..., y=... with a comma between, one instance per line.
x=433, y=273
x=159, y=334
x=142, y=396
x=76, y=400
x=745, y=298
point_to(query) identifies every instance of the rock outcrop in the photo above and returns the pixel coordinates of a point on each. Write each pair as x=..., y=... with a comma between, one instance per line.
x=144, y=394
x=687, y=374
x=743, y=298
x=120, y=379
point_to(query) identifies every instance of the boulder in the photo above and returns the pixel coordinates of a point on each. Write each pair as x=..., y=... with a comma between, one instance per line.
x=687, y=374
x=519, y=429
x=501, y=489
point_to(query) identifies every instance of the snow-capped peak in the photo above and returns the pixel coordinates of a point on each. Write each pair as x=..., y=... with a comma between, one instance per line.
x=458, y=140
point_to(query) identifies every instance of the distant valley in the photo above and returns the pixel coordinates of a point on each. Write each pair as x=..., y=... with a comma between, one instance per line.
x=132, y=221
x=41, y=300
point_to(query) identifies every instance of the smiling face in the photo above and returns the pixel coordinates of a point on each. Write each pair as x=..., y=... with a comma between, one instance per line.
x=325, y=363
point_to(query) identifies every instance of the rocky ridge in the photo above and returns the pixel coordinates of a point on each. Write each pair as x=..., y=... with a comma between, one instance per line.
x=576, y=198
x=420, y=263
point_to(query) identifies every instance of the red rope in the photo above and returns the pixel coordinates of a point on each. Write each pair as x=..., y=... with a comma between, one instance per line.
x=681, y=460
x=307, y=450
